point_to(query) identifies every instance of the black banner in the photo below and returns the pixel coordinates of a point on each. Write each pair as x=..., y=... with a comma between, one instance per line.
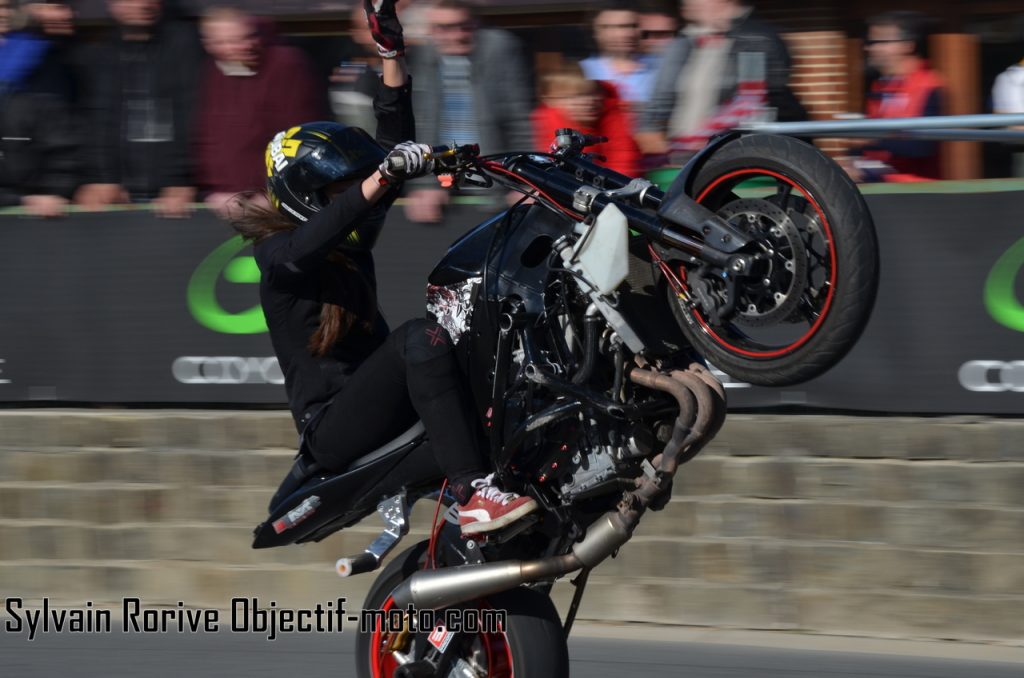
x=124, y=307
x=946, y=332
x=96, y=308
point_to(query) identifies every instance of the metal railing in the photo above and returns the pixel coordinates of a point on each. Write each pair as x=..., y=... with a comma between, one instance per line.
x=934, y=128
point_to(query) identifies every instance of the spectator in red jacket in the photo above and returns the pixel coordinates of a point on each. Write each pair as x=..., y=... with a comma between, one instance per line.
x=251, y=87
x=569, y=99
x=907, y=88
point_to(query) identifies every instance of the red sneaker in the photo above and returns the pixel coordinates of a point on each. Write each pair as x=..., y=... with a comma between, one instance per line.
x=491, y=509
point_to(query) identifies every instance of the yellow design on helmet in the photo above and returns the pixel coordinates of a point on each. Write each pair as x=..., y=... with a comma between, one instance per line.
x=280, y=148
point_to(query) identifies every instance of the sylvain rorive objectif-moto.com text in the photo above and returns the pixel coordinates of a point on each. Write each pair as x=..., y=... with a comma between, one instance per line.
x=244, y=615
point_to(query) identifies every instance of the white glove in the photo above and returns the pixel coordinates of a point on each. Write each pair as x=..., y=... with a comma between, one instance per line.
x=407, y=160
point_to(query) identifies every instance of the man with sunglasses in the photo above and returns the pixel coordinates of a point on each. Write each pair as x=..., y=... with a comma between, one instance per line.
x=659, y=25
x=907, y=87
x=471, y=85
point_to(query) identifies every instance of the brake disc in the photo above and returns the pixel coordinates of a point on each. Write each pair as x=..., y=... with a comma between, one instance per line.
x=773, y=290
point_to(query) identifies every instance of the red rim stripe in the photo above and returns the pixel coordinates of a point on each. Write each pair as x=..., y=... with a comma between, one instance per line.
x=832, y=277
x=377, y=657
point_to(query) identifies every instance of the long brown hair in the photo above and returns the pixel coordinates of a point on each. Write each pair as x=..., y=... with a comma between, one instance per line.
x=256, y=223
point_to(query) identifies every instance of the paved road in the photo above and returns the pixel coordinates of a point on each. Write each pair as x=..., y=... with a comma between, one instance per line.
x=223, y=655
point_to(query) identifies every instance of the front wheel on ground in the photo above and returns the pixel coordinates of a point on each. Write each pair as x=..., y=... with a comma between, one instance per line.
x=531, y=642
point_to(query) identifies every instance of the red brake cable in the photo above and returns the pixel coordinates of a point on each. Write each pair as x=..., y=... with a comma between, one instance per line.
x=435, y=529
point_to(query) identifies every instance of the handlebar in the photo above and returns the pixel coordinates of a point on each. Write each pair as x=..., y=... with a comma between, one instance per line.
x=580, y=187
x=440, y=154
x=570, y=140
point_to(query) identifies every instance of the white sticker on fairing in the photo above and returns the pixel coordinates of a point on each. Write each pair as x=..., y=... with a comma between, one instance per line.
x=440, y=638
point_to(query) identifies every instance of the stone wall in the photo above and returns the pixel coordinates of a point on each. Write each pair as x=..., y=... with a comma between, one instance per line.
x=869, y=526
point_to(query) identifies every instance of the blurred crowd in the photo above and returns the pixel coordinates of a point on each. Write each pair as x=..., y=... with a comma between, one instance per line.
x=169, y=111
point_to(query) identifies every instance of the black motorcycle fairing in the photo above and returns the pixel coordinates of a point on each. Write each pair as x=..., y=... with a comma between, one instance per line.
x=306, y=466
x=346, y=498
x=465, y=258
x=524, y=268
x=518, y=242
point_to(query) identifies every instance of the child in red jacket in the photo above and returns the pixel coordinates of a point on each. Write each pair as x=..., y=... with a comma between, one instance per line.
x=568, y=99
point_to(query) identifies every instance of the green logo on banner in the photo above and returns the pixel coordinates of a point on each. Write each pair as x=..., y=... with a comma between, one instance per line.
x=202, y=290
x=1000, y=289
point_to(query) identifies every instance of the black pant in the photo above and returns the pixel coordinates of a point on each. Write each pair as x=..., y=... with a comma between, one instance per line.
x=412, y=375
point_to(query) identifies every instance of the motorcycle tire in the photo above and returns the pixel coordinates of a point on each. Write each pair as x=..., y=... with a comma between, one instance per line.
x=847, y=234
x=532, y=643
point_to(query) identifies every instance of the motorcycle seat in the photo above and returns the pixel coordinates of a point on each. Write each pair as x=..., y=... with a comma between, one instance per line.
x=416, y=431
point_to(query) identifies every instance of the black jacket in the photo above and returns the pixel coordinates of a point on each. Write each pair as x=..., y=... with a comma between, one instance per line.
x=169, y=64
x=39, y=152
x=296, y=279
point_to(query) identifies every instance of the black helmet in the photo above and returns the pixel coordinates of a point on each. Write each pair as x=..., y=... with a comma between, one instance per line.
x=303, y=160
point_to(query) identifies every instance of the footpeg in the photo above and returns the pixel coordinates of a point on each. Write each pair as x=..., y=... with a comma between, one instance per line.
x=364, y=562
x=394, y=511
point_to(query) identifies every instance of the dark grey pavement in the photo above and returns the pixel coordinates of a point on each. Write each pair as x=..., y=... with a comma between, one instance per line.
x=224, y=655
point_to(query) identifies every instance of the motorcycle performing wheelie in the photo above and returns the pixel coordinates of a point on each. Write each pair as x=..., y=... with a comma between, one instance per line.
x=585, y=319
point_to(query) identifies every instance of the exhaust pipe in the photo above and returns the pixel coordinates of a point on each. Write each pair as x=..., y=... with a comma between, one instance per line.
x=437, y=589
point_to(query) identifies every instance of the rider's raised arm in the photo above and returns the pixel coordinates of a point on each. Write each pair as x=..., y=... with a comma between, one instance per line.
x=393, y=107
x=307, y=247
x=393, y=103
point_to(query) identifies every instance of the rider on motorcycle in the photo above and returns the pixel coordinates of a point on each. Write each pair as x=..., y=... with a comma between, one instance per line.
x=352, y=386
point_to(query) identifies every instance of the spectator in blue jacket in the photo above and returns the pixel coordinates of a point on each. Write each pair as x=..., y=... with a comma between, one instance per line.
x=39, y=159
x=619, y=59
